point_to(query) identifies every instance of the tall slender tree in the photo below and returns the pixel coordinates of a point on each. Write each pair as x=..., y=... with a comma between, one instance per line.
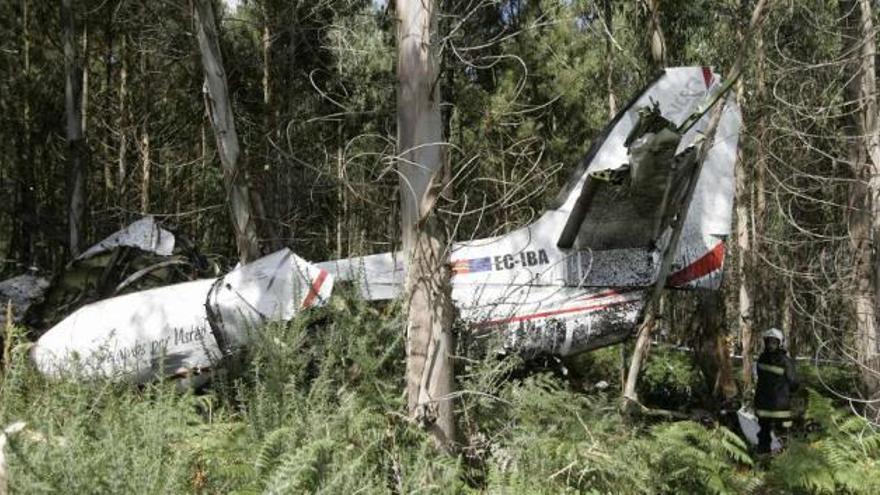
x=743, y=240
x=656, y=39
x=864, y=136
x=77, y=149
x=223, y=121
x=421, y=155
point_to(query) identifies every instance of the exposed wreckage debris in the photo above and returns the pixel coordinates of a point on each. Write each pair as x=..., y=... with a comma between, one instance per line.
x=143, y=234
x=19, y=293
x=576, y=279
x=140, y=256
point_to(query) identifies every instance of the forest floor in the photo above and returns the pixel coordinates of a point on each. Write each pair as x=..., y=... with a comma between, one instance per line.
x=317, y=407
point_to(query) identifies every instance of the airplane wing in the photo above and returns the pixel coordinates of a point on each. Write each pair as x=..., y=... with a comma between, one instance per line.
x=378, y=276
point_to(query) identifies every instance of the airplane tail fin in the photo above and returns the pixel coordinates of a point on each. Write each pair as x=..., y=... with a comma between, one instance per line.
x=630, y=182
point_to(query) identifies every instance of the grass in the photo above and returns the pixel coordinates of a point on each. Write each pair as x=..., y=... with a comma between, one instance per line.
x=317, y=408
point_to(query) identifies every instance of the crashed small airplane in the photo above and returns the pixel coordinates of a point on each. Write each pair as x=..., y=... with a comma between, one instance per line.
x=576, y=279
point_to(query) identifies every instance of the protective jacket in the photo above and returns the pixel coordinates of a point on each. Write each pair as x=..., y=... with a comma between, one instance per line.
x=776, y=382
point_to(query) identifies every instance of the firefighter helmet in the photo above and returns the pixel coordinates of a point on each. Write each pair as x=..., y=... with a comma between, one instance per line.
x=774, y=333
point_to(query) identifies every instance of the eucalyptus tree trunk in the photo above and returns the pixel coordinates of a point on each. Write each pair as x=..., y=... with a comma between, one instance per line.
x=123, y=117
x=146, y=168
x=760, y=293
x=657, y=59
x=428, y=295
x=77, y=150
x=272, y=239
x=220, y=111
x=711, y=352
x=26, y=217
x=861, y=46
x=608, y=18
x=656, y=40
x=84, y=87
x=743, y=242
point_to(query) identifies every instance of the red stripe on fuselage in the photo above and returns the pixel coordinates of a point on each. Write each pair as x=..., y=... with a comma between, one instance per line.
x=707, y=76
x=314, y=289
x=545, y=314
x=599, y=295
x=707, y=264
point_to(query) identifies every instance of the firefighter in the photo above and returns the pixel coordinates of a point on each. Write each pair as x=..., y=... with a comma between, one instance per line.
x=777, y=381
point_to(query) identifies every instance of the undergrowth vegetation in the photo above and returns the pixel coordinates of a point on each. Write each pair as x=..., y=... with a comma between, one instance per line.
x=317, y=407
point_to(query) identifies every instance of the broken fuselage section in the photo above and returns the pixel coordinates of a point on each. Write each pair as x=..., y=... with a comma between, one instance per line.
x=183, y=330
x=578, y=278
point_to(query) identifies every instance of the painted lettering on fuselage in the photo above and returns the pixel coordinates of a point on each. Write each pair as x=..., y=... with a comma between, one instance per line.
x=510, y=261
x=522, y=259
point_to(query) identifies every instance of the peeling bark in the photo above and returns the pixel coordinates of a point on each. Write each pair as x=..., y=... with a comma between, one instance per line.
x=656, y=39
x=421, y=156
x=864, y=225
x=744, y=249
x=223, y=122
x=77, y=149
x=711, y=351
x=608, y=14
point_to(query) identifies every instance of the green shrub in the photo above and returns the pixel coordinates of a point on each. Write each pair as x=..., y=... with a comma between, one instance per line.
x=690, y=458
x=590, y=368
x=669, y=379
x=842, y=457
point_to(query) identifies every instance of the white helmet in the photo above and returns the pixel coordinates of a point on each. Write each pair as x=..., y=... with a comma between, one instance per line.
x=774, y=333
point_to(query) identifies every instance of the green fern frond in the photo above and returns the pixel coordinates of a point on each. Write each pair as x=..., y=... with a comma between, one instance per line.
x=301, y=470
x=275, y=444
x=801, y=467
x=871, y=443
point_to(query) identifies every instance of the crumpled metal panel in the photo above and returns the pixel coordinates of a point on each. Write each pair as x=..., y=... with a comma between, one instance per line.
x=143, y=234
x=22, y=292
x=273, y=288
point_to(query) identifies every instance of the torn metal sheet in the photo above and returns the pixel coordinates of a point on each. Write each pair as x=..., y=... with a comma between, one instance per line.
x=141, y=256
x=22, y=292
x=143, y=234
x=183, y=329
x=542, y=321
x=378, y=276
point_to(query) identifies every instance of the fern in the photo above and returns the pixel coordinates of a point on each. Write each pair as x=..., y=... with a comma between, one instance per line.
x=701, y=460
x=271, y=449
x=302, y=470
x=318, y=410
x=844, y=457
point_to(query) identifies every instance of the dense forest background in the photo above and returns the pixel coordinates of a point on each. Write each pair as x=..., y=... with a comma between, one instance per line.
x=526, y=86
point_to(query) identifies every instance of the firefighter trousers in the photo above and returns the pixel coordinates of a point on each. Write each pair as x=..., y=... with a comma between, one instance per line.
x=769, y=425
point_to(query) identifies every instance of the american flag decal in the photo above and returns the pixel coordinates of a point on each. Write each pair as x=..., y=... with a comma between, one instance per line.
x=475, y=265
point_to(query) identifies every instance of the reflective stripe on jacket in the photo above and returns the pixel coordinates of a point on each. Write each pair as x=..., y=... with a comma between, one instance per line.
x=776, y=381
